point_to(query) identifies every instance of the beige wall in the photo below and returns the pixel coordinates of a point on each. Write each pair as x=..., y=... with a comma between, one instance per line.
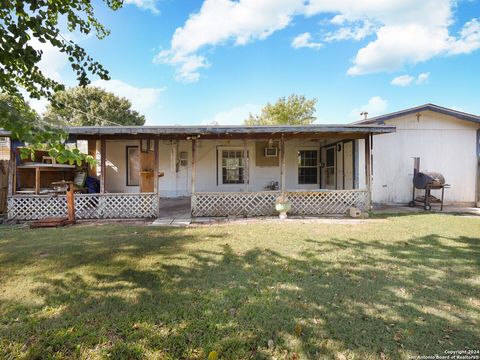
x=444, y=144
x=116, y=174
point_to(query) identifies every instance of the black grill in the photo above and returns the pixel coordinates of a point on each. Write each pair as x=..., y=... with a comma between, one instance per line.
x=427, y=181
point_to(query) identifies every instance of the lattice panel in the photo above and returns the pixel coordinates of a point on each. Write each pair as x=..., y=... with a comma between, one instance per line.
x=332, y=202
x=116, y=206
x=87, y=206
x=36, y=207
x=322, y=202
x=234, y=204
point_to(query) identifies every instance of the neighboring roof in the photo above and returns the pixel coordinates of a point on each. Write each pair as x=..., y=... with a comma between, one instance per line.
x=214, y=130
x=431, y=107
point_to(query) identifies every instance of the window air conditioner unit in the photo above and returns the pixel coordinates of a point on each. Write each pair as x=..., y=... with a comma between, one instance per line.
x=271, y=152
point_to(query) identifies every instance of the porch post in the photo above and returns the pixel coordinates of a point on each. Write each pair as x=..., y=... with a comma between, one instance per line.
x=246, y=177
x=477, y=202
x=282, y=162
x=92, y=151
x=12, y=169
x=194, y=166
x=155, y=166
x=155, y=173
x=103, y=165
x=368, y=168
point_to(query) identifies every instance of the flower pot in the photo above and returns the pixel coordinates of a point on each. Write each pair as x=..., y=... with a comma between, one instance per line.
x=283, y=208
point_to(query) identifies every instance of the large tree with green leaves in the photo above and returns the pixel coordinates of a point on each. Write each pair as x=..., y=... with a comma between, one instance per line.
x=294, y=110
x=25, y=124
x=21, y=21
x=91, y=106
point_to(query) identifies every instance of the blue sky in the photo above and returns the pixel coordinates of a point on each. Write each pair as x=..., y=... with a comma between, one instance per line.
x=204, y=61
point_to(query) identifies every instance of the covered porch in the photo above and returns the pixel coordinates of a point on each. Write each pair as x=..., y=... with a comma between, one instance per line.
x=225, y=171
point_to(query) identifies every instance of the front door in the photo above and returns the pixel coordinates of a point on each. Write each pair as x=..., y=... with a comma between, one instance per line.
x=348, y=164
x=328, y=171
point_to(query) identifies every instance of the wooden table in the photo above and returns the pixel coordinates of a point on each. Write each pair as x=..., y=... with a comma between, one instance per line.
x=39, y=167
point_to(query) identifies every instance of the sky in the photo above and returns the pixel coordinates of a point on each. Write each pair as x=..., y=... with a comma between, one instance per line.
x=186, y=62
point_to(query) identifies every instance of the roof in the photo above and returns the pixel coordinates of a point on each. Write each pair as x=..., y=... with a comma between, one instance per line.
x=431, y=107
x=215, y=130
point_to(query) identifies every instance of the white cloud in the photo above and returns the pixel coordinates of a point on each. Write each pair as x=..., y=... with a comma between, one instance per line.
x=397, y=46
x=305, y=40
x=403, y=80
x=375, y=106
x=406, y=31
x=234, y=116
x=469, y=39
x=423, y=78
x=143, y=99
x=52, y=61
x=187, y=66
x=150, y=5
x=407, y=80
x=353, y=32
x=220, y=21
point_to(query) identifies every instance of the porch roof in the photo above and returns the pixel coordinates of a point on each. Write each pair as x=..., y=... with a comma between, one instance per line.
x=215, y=131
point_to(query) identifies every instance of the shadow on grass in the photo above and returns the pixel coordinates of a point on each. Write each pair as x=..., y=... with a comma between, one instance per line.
x=340, y=296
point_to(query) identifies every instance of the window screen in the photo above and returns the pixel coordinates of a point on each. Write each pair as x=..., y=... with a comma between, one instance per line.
x=233, y=167
x=308, y=167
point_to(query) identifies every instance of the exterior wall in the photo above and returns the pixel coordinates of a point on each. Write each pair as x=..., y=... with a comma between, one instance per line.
x=443, y=143
x=4, y=148
x=116, y=174
x=177, y=178
x=179, y=183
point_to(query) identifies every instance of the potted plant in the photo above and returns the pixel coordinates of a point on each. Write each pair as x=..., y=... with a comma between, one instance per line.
x=283, y=205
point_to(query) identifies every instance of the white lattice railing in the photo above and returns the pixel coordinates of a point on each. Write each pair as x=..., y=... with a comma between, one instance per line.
x=87, y=206
x=262, y=203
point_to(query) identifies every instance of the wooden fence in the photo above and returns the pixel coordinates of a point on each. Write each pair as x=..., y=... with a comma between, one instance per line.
x=262, y=203
x=3, y=185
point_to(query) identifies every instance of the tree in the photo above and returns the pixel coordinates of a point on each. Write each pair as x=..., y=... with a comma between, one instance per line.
x=294, y=110
x=24, y=20
x=91, y=106
x=25, y=124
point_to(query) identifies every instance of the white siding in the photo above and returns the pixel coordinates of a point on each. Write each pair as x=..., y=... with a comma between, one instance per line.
x=177, y=181
x=444, y=144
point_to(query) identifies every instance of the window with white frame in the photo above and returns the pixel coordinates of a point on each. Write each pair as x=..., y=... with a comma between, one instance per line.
x=308, y=166
x=233, y=166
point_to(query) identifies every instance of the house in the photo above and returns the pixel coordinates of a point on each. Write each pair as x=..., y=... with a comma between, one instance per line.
x=226, y=171
x=445, y=140
x=4, y=148
x=241, y=170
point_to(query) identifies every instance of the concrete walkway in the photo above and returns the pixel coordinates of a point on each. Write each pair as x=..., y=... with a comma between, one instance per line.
x=447, y=209
x=180, y=216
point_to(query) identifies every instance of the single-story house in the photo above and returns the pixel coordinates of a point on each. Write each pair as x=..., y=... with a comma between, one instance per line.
x=242, y=170
x=446, y=141
x=226, y=171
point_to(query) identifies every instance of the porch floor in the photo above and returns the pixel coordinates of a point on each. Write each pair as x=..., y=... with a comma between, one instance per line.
x=173, y=212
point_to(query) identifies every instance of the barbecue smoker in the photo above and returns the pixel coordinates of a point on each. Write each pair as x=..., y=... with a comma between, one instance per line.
x=427, y=181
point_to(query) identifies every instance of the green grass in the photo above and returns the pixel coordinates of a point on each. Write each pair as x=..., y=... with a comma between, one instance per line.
x=388, y=289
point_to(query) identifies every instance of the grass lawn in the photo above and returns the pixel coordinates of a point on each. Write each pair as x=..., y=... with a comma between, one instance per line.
x=388, y=289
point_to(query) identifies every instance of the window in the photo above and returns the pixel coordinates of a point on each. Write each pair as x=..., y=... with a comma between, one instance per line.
x=308, y=167
x=233, y=167
x=133, y=166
